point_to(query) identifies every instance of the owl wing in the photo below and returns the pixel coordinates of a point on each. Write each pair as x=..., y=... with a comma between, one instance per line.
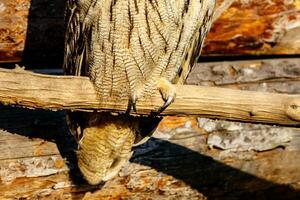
x=196, y=45
x=146, y=41
x=170, y=36
x=146, y=126
x=78, y=21
x=78, y=18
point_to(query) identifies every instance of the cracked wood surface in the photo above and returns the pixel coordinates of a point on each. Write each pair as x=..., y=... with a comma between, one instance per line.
x=27, y=89
x=187, y=158
x=32, y=30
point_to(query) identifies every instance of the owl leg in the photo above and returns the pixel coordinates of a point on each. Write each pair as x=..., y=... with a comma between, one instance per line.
x=167, y=91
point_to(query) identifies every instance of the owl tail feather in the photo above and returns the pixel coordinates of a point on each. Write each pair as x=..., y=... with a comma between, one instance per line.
x=105, y=141
x=104, y=144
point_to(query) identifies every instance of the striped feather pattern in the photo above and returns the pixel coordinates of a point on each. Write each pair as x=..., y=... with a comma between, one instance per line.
x=125, y=47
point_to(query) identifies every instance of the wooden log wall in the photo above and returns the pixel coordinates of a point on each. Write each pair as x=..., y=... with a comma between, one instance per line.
x=187, y=158
x=32, y=30
x=257, y=27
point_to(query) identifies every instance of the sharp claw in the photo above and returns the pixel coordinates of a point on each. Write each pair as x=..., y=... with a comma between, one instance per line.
x=134, y=106
x=131, y=104
x=169, y=100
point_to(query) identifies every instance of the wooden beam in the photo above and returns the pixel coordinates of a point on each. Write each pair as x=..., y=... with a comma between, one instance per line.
x=32, y=90
x=33, y=30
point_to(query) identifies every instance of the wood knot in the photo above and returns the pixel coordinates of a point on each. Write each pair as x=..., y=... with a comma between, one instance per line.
x=292, y=109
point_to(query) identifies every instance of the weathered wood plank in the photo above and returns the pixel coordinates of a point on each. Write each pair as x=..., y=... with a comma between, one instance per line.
x=18, y=87
x=177, y=162
x=269, y=75
x=32, y=30
x=13, y=26
x=256, y=27
x=181, y=161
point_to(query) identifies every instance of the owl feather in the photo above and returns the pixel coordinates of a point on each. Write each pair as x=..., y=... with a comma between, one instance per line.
x=129, y=49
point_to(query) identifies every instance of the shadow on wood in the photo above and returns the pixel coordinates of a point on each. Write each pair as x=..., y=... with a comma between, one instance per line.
x=255, y=27
x=45, y=34
x=212, y=178
x=31, y=123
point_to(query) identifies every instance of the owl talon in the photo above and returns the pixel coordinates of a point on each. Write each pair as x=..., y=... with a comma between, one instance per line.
x=168, y=93
x=132, y=104
x=168, y=102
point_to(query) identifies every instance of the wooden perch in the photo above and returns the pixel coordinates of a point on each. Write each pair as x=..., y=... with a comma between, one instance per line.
x=32, y=90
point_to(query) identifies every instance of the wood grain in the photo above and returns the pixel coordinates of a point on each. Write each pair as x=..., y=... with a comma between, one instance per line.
x=187, y=157
x=13, y=27
x=177, y=163
x=257, y=27
x=32, y=31
x=27, y=89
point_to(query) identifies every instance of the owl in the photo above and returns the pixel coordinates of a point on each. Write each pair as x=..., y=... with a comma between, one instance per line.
x=130, y=49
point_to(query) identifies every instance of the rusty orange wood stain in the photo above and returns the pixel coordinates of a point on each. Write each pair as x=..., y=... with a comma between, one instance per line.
x=249, y=27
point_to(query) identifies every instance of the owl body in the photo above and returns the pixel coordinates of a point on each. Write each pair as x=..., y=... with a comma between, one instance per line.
x=129, y=49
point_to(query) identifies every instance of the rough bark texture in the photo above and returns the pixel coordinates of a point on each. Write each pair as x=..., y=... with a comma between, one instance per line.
x=187, y=158
x=32, y=30
x=269, y=75
x=19, y=87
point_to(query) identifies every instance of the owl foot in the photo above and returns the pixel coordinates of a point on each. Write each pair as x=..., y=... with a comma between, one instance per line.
x=167, y=91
